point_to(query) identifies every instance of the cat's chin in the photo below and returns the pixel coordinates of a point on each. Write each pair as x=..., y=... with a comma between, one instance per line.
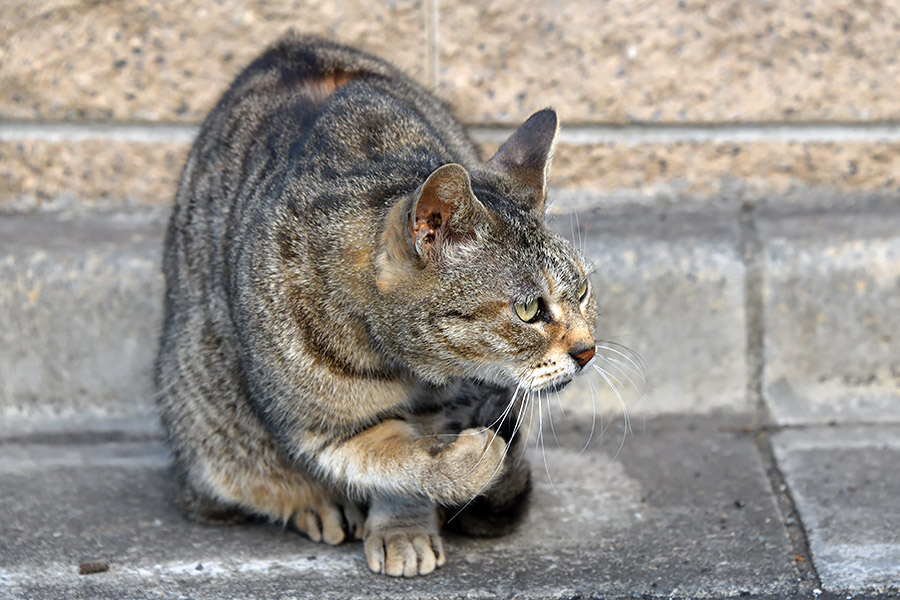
x=555, y=387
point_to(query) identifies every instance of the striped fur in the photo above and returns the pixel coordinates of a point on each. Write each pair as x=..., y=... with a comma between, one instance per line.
x=339, y=332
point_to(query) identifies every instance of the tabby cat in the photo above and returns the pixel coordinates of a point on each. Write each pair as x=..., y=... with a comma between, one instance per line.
x=356, y=304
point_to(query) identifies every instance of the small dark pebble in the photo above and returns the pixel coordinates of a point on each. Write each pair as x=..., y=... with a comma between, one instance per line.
x=311, y=557
x=199, y=567
x=739, y=504
x=745, y=592
x=89, y=568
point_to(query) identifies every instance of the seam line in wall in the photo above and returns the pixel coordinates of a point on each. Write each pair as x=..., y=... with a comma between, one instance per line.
x=578, y=135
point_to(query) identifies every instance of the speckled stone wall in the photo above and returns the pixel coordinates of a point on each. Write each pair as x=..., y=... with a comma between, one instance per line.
x=150, y=61
x=716, y=81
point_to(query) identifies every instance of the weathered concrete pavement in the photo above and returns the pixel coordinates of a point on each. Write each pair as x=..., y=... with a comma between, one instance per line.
x=681, y=511
x=845, y=484
x=685, y=509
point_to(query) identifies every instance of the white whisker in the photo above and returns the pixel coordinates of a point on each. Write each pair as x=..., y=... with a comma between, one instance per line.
x=638, y=390
x=530, y=423
x=615, y=390
x=593, y=416
x=543, y=450
x=550, y=418
x=616, y=381
x=639, y=366
x=578, y=228
x=519, y=418
x=572, y=227
x=623, y=364
x=561, y=409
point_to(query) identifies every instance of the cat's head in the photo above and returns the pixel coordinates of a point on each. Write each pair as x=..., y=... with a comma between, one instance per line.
x=474, y=283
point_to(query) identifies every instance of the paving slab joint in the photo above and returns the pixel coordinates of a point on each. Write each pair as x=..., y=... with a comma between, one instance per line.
x=797, y=534
x=764, y=425
x=751, y=251
x=431, y=35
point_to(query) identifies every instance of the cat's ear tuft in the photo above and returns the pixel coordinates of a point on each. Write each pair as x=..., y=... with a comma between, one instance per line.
x=527, y=154
x=444, y=210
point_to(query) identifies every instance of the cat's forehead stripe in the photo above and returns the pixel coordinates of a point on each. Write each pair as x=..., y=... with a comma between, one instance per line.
x=562, y=270
x=552, y=282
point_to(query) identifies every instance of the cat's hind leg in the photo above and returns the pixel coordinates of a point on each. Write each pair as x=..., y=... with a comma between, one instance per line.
x=228, y=463
x=282, y=495
x=401, y=537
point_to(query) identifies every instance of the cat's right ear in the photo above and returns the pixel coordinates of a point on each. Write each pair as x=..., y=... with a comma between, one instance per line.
x=528, y=153
x=444, y=210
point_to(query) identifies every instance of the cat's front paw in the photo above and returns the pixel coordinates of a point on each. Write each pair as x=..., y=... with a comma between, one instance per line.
x=329, y=520
x=403, y=553
x=467, y=466
x=401, y=537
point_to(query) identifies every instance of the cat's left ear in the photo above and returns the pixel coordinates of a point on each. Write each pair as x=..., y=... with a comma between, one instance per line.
x=444, y=210
x=527, y=154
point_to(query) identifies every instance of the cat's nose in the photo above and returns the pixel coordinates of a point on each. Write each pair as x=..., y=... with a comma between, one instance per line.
x=582, y=355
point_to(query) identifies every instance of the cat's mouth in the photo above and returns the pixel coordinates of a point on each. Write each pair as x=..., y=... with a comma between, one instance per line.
x=550, y=377
x=556, y=386
x=551, y=384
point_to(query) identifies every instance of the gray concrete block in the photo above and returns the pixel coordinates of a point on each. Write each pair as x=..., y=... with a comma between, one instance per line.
x=670, y=286
x=844, y=482
x=80, y=307
x=831, y=297
x=81, y=303
x=685, y=512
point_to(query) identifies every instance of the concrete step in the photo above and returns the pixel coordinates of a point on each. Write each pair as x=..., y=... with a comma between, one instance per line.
x=831, y=315
x=685, y=510
x=81, y=312
x=80, y=305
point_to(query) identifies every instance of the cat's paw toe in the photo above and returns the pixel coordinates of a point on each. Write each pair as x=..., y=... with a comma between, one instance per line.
x=354, y=520
x=330, y=522
x=404, y=554
x=318, y=525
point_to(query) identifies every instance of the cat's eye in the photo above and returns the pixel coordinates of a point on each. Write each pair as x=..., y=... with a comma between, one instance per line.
x=527, y=311
x=582, y=291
